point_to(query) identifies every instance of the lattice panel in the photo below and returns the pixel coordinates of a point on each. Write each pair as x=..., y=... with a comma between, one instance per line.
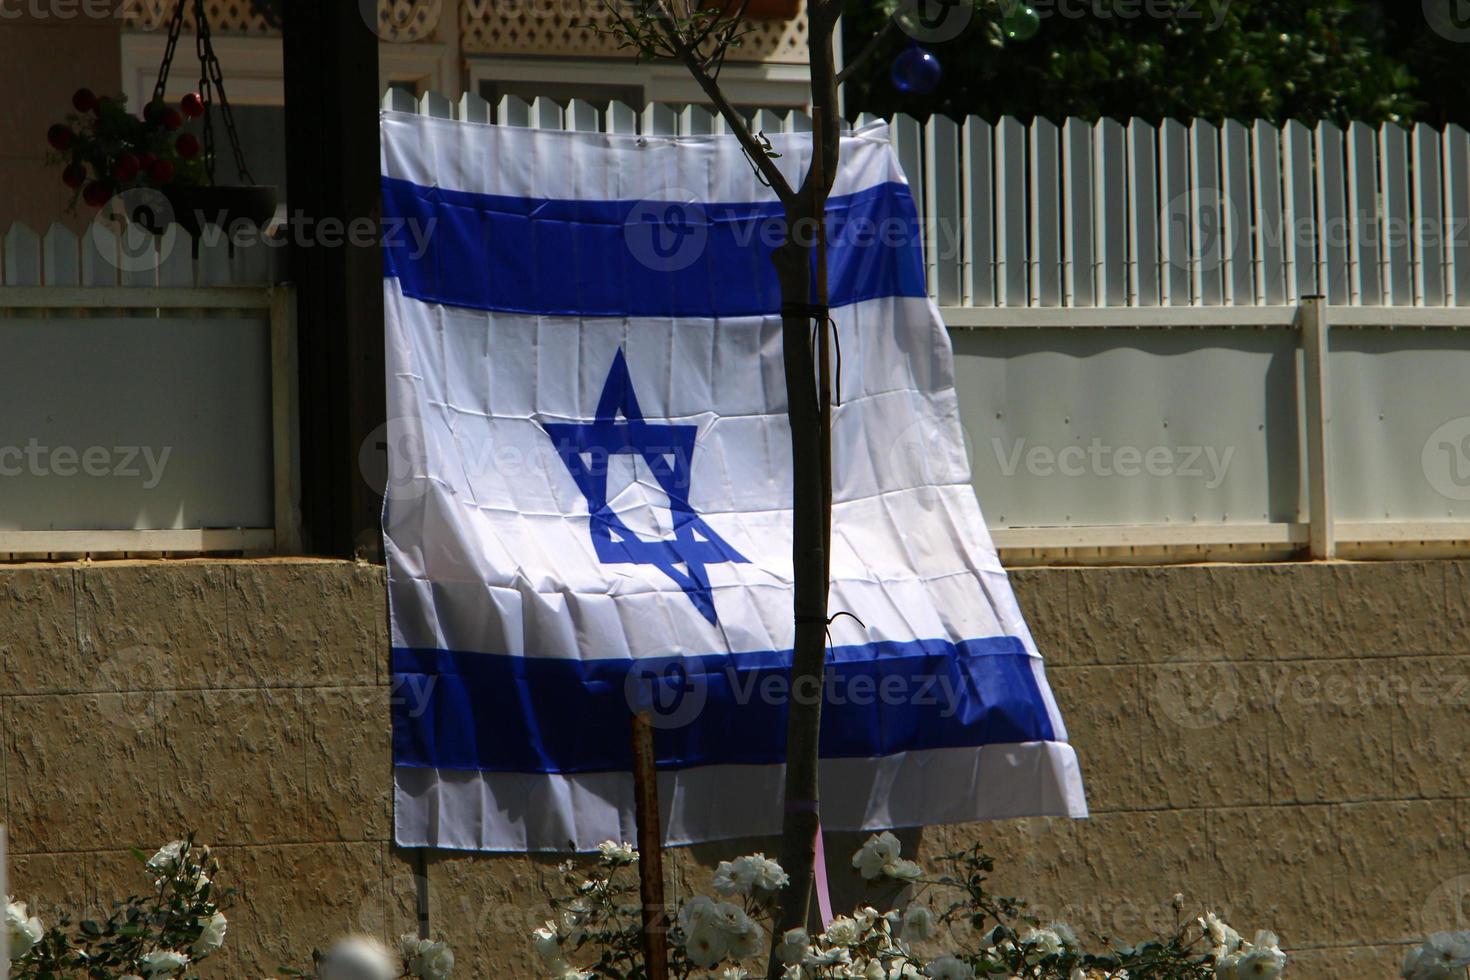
x=568, y=27
x=225, y=16
x=398, y=20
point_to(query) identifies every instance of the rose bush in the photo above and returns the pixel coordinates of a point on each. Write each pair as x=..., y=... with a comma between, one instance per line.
x=966, y=933
x=176, y=923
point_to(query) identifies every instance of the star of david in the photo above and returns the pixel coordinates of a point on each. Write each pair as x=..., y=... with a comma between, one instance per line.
x=619, y=429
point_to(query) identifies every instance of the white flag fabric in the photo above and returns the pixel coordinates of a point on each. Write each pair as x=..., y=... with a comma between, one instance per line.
x=589, y=492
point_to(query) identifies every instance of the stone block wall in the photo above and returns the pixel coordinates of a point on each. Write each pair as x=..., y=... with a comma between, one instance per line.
x=1283, y=743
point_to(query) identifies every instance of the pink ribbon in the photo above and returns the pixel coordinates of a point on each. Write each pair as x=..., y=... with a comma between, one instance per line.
x=824, y=897
x=819, y=863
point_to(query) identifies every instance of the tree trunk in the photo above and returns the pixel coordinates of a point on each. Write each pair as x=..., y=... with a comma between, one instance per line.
x=810, y=510
x=808, y=394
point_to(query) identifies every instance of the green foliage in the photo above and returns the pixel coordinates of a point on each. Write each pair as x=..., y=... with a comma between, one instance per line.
x=1245, y=59
x=171, y=915
x=595, y=934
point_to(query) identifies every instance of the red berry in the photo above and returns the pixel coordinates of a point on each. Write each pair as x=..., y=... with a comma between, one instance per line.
x=192, y=105
x=145, y=160
x=96, y=194
x=187, y=145
x=74, y=175
x=160, y=171
x=60, y=136
x=126, y=167
x=83, y=100
x=171, y=119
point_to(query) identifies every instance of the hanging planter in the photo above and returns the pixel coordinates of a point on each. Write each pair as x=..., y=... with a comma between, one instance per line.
x=107, y=151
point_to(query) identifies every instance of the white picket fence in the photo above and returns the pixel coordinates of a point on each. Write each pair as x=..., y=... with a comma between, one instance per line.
x=1120, y=291
x=1133, y=214
x=1151, y=293
x=148, y=401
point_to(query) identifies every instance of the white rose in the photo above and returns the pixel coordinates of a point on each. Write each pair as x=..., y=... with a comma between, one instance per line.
x=613, y=852
x=842, y=931
x=878, y=852
x=1226, y=939
x=918, y=923
x=696, y=910
x=358, y=958
x=167, y=858
x=162, y=962
x=1451, y=949
x=747, y=941
x=433, y=961
x=949, y=968
x=1265, y=963
x=793, y=946
x=734, y=973
x=819, y=958
x=1040, y=943
x=25, y=929
x=1227, y=967
x=904, y=870
x=211, y=937
x=1420, y=963
x=706, y=945
x=751, y=872
x=1066, y=934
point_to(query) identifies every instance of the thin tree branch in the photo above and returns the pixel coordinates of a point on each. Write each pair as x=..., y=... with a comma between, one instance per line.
x=733, y=119
x=869, y=49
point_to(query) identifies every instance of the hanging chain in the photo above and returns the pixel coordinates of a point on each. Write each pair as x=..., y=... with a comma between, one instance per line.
x=175, y=25
x=212, y=85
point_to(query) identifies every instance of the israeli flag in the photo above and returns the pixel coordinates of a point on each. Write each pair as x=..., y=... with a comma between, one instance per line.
x=589, y=498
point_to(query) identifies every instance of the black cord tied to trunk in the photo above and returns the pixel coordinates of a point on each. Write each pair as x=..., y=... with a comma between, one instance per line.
x=822, y=314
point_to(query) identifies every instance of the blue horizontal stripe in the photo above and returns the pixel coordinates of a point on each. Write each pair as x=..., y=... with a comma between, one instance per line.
x=634, y=258
x=477, y=711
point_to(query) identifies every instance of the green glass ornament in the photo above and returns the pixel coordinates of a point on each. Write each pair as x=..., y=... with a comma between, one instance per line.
x=1021, y=22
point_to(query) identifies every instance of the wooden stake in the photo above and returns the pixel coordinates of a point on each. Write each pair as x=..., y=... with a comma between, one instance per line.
x=650, y=849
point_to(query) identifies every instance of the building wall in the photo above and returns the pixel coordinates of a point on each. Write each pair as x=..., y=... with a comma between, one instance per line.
x=1283, y=743
x=43, y=60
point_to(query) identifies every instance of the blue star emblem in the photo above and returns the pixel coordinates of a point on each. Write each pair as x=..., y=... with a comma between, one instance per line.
x=619, y=428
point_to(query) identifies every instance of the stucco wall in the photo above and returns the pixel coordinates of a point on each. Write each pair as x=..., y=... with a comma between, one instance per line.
x=1319, y=785
x=47, y=52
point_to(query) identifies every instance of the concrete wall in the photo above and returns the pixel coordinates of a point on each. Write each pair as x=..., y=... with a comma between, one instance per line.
x=47, y=52
x=1319, y=785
